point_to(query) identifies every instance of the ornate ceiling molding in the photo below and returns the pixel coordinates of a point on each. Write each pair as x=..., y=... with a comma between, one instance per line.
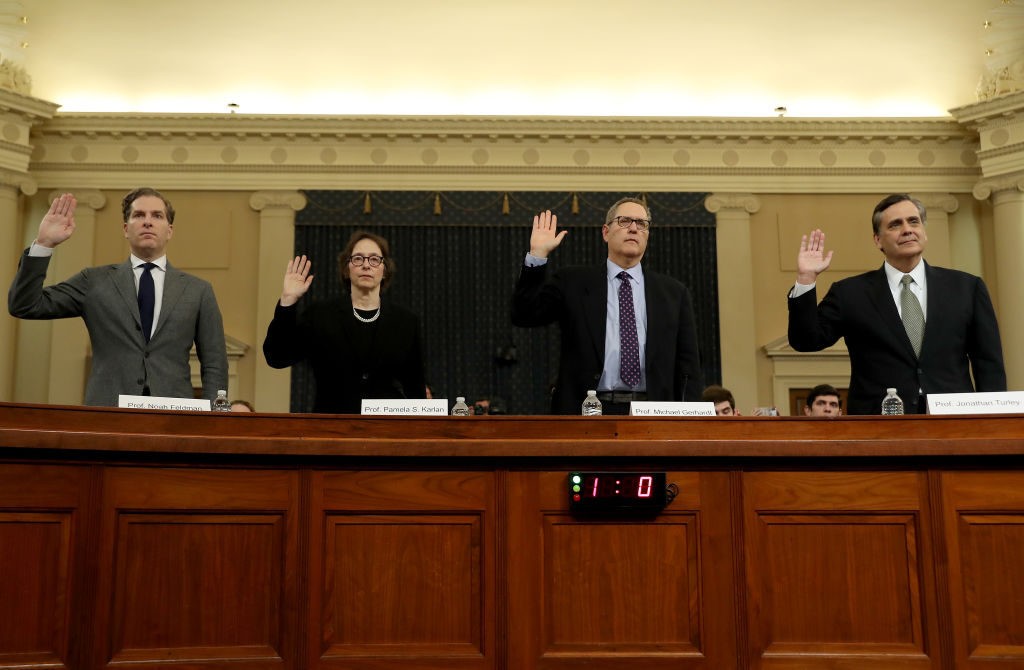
x=291, y=152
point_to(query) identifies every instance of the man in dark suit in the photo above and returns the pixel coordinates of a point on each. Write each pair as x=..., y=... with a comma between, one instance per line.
x=627, y=333
x=908, y=325
x=141, y=337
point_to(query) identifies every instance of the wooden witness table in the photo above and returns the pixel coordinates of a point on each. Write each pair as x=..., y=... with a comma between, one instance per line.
x=150, y=539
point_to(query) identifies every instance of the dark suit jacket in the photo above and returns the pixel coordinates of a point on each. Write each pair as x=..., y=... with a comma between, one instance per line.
x=576, y=297
x=326, y=335
x=961, y=335
x=122, y=361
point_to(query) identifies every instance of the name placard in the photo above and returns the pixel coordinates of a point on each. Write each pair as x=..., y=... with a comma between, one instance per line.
x=990, y=402
x=405, y=407
x=649, y=408
x=160, y=402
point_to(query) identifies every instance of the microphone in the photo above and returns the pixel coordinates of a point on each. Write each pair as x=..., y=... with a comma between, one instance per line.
x=686, y=380
x=397, y=386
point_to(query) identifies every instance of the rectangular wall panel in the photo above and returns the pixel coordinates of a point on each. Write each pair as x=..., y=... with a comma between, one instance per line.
x=198, y=568
x=41, y=516
x=983, y=514
x=402, y=570
x=616, y=591
x=835, y=573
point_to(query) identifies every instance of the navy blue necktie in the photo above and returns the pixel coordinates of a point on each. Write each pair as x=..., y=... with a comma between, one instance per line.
x=147, y=299
x=629, y=345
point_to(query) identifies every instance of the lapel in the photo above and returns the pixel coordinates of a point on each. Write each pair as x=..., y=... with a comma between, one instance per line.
x=174, y=287
x=654, y=299
x=881, y=297
x=595, y=308
x=124, y=285
x=938, y=289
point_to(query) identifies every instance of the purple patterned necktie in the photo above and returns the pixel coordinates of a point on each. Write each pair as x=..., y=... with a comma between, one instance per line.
x=629, y=346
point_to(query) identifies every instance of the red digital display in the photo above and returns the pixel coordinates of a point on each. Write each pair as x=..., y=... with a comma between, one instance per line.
x=616, y=490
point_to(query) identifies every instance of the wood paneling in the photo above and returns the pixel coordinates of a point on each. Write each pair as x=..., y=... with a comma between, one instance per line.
x=403, y=570
x=198, y=566
x=41, y=510
x=984, y=527
x=156, y=540
x=838, y=569
x=620, y=592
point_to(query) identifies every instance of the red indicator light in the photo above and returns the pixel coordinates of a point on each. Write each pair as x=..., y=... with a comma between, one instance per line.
x=576, y=497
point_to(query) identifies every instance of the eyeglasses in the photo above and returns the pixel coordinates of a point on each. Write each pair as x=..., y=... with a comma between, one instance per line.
x=627, y=221
x=358, y=260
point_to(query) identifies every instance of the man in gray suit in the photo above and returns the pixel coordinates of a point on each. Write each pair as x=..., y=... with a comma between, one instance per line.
x=143, y=315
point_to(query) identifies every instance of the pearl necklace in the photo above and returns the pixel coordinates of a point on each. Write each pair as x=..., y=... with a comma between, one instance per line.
x=362, y=318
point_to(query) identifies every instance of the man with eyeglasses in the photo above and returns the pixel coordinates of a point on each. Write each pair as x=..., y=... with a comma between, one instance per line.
x=627, y=332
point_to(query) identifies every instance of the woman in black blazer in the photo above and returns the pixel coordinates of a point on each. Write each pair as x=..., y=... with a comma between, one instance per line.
x=360, y=345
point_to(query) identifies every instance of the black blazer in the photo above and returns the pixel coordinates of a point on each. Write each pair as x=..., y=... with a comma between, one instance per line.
x=961, y=336
x=576, y=297
x=326, y=335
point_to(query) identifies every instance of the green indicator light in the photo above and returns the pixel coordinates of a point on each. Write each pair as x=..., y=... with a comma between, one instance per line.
x=576, y=479
x=576, y=488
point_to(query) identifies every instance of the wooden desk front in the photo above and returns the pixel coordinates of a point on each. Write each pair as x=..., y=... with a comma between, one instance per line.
x=187, y=541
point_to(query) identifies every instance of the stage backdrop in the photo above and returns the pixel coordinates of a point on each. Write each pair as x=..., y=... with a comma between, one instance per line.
x=458, y=255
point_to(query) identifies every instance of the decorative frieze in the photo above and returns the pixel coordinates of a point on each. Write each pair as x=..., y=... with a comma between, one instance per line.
x=233, y=151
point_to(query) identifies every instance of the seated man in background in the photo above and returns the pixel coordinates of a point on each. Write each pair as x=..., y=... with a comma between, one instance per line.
x=725, y=404
x=823, y=400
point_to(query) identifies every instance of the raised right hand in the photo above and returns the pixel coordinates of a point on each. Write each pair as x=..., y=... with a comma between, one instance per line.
x=812, y=259
x=296, y=281
x=545, y=237
x=58, y=223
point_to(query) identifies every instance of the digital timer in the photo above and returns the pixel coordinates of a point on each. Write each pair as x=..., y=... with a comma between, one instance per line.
x=616, y=491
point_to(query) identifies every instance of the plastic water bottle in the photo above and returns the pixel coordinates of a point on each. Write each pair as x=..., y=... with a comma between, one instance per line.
x=221, y=402
x=591, y=405
x=460, y=408
x=891, y=403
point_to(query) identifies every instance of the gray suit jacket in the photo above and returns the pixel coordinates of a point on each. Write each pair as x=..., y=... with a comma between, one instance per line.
x=122, y=360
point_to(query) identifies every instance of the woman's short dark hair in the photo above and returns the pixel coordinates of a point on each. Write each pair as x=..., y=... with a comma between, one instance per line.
x=385, y=251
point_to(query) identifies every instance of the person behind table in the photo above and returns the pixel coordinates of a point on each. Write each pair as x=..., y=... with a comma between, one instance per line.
x=143, y=315
x=908, y=325
x=360, y=345
x=725, y=404
x=823, y=400
x=651, y=354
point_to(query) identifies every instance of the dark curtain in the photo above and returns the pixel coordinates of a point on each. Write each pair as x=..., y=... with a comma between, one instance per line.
x=458, y=255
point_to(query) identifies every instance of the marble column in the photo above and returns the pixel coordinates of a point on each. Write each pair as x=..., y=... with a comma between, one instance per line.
x=272, y=389
x=1007, y=195
x=736, y=294
x=11, y=187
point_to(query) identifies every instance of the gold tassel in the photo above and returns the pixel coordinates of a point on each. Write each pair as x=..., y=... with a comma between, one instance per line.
x=575, y=204
x=437, y=204
x=367, y=204
x=504, y=205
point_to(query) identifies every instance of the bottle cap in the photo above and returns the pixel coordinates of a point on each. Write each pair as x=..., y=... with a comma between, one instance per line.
x=591, y=392
x=890, y=390
x=460, y=398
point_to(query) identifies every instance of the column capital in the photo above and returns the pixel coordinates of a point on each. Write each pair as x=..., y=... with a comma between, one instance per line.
x=261, y=200
x=986, y=187
x=947, y=202
x=745, y=201
x=90, y=197
x=18, y=180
